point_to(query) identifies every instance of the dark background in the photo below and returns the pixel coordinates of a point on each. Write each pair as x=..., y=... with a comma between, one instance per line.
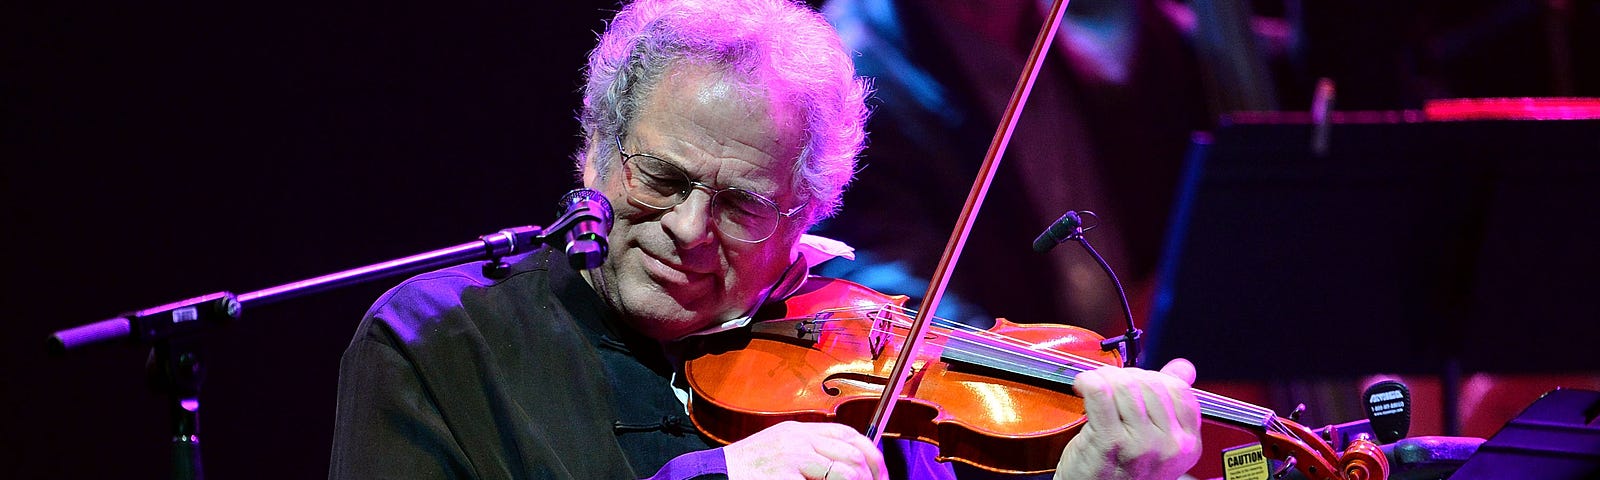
x=163, y=150
x=156, y=151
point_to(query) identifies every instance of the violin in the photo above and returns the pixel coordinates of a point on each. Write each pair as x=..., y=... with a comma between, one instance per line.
x=999, y=399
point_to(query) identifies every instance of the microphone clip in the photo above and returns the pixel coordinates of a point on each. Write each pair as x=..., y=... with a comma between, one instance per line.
x=584, y=223
x=580, y=231
x=1126, y=344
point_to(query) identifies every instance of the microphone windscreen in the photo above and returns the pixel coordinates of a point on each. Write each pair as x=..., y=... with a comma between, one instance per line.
x=1058, y=231
x=586, y=245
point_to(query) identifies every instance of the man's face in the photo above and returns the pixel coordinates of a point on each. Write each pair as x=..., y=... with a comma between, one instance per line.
x=671, y=273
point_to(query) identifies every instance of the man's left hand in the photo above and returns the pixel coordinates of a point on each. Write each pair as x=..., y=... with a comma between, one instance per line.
x=1141, y=424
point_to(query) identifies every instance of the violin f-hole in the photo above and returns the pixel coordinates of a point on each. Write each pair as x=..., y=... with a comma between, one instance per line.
x=834, y=384
x=875, y=383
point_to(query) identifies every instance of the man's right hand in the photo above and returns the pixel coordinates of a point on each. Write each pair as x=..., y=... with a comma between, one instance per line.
x=812, y=451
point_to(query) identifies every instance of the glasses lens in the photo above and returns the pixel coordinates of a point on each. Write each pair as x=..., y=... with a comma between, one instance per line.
x=654, y=182
x=745, y=216
x=739, y=214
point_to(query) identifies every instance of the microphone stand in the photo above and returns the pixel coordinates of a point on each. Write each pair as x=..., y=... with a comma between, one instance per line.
x=173, y=330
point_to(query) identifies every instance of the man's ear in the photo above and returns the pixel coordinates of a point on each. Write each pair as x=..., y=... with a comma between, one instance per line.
x=591, y=175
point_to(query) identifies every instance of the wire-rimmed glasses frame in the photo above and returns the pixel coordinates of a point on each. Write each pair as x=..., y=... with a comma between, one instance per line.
x=661, y=185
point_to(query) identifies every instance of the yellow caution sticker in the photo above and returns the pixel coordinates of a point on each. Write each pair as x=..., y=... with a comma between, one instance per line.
x=1244, y=463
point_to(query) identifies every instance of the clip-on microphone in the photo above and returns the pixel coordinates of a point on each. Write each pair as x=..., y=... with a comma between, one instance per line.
x=1070, y=227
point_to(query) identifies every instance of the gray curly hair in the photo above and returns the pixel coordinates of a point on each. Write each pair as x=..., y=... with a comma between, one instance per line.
x=786, y=44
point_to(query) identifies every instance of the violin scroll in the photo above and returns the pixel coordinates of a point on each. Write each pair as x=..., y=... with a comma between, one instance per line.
x=1363, y=460
x=1292, y=442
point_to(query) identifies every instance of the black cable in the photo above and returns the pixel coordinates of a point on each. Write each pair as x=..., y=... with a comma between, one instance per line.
x=1130, y=338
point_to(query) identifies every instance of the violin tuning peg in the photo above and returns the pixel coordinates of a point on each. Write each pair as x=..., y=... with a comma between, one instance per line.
x=1298, y=411
x=1288, y=466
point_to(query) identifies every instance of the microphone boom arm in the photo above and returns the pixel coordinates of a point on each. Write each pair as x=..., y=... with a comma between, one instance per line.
x=151, y=325
x=189, y=316
x=580, y=231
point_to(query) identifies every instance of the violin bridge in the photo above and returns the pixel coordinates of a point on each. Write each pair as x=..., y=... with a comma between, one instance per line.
x=878, y=336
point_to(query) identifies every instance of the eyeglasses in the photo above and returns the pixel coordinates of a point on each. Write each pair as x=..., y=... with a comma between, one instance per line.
x=739, y=214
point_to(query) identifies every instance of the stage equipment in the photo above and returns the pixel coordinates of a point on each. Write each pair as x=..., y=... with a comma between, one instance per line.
x=1557, y=437
x=175, y=331
x=1418, y=242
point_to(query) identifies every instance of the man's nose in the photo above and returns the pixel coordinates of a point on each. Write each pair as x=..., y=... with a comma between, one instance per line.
x=689, y=223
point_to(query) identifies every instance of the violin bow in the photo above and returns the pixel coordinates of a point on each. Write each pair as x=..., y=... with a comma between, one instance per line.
x=969, y=213
x=1365, y=462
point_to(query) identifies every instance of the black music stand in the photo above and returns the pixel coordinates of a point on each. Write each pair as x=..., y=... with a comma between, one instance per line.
x=1555, y=438
x=1405, y=246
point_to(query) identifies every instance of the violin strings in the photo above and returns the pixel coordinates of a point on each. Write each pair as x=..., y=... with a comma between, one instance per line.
x=1219, y=406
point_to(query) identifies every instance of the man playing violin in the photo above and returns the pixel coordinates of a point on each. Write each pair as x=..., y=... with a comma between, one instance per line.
x=721, y=131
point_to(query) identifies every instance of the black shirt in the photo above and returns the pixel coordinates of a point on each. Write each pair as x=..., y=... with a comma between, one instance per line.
x=454, y=374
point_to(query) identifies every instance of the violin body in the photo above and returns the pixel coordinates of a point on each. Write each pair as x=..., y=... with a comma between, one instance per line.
x=829, y=352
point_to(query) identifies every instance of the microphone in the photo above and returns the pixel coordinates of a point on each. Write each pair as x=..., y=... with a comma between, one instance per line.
x=1388, y=406
x=1069, y=225
x=588, y=216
